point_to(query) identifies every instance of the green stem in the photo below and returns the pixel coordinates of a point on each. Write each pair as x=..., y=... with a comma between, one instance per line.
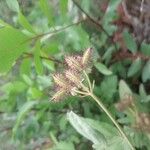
x=88, y=80
x=111, y=118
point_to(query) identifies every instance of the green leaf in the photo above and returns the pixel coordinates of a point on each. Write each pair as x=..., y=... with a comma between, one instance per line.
x=13, y=5
x=25, y=67
x=142, y=91
x=63, y=7
x=37, y=59
x=103, y=136
x=108, y=85
x=24, y=22
x=106, y=129
x=130, y=42
x=103, y=69
x=124, y=90
x=116, y=143
x=63, y=146
x=110, y=12
x=135, y=67
x=83, y=127
x=21, y=114
x=27, y=79
x=34, y=93
x=12, y=45
x=146, y=72
x=47, y=9
x=145, y=49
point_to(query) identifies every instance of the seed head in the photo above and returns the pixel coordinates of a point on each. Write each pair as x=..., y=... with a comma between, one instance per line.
x=69, y=82
x=74, y=62
x=60, y=80
x=60, y=93
x=73, y=76
x=87, y=56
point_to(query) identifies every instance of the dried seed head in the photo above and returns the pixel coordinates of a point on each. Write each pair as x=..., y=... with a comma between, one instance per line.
x=74, y=62
x=59, y=95
x=87, y=56
x=60, y=80
x=72, y=91
x=73, y=76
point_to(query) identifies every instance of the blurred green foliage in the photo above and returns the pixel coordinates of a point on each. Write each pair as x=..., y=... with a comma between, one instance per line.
x=35, y=36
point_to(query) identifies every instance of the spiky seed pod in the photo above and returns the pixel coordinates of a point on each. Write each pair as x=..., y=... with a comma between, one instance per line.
x=74, y=62
x=60, y=93
x=87, y=56
x=60, y=80
x=74, y=77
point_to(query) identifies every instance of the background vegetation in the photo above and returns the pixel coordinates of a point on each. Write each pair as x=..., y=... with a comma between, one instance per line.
x=35, y=36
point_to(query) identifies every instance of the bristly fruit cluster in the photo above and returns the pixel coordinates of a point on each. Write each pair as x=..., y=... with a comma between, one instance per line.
x=71, y=79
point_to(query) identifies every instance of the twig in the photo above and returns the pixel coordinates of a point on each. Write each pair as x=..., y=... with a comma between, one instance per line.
x=42, y=57
x=96, y=23
x=55, y=31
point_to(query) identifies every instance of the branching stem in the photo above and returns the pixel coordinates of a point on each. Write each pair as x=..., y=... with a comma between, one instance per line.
x=102, y=106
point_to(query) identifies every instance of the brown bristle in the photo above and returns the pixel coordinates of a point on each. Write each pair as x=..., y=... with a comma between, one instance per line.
x=73, y=76
x=60, y=80
x=59, y=95
x=74, y=62
x=87, y=56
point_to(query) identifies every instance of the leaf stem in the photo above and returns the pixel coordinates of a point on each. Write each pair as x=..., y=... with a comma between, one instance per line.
x=111, y=118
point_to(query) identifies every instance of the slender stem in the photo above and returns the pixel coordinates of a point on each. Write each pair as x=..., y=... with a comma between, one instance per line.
x=39, y=36
x=80, y=92
x=27, y=55
x=111, y=118
x=88, y=80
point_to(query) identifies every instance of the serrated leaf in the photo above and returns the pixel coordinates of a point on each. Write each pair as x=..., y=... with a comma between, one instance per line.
x=106, y=129
x=124, y=89
x=24, y=22
x=135, y=67
x=82, y=126
x=12, y=45
x=118, y=143
x=21, y=114
x=146, y=72
x=13, y=5
x=102, y=69
x=129, y=42
x=103, y=137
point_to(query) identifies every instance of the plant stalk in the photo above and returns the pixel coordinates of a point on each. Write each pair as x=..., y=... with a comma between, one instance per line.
x=111, y=118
